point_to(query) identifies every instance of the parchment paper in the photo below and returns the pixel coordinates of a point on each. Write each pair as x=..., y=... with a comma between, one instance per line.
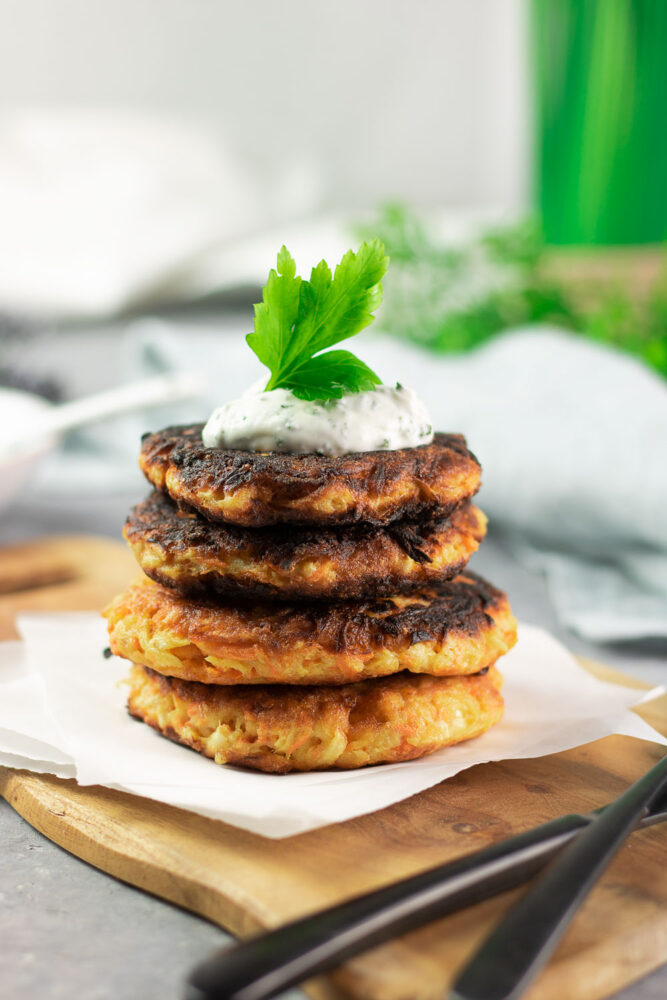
x=62, y=710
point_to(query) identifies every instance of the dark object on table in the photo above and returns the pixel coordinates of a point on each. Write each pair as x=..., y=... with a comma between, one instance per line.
x=524, y=940
x=17, y=330
x=39, y=385
x=273, y=962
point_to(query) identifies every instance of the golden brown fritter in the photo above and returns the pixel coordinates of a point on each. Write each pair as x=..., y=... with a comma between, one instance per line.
x=201, y=559
x=262, y=488
x=460, y=627
x=281, y=729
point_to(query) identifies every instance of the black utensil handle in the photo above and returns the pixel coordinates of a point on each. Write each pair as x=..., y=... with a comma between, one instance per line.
x=271, y=963
x=523, y=941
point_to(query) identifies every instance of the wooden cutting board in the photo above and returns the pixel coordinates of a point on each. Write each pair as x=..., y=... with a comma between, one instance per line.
x=245, y=883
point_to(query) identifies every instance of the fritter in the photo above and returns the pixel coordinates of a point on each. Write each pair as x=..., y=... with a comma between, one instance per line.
x=281, y=729
x=201, y=559
x=458, y=627
x=262, y=488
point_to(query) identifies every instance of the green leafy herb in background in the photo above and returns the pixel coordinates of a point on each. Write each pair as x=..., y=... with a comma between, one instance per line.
x=452, y=299
x=298, y=319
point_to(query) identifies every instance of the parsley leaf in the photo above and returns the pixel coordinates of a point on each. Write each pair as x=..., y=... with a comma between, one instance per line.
x=298, y=319
x=330, y=375
x=276, y=314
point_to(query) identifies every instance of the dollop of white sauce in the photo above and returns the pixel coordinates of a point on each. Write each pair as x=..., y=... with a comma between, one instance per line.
x=383, y=419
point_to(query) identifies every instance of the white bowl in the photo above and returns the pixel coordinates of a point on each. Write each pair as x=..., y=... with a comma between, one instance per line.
x=19, y=411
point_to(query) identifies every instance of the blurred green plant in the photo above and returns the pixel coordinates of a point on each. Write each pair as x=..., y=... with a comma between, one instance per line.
x=451, y=299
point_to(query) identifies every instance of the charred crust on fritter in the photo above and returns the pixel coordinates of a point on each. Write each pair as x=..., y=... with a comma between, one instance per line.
x=268, y=697
x=159, y=522
x=168, y=732
x=361, y=555
x=465, y=606
x=298, y=476
x=412, y=536
x=457, y=605
x=214, y=586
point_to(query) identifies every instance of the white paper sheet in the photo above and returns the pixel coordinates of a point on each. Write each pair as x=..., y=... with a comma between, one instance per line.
x=62, y=709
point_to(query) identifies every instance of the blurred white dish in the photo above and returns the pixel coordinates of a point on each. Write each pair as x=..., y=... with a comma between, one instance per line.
x=21, y=411
x=30, y=427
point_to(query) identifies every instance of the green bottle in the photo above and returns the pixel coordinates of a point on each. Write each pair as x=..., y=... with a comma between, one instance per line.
x=601, y=120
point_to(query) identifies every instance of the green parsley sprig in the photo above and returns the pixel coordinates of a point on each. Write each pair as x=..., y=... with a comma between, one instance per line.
x=297, y=320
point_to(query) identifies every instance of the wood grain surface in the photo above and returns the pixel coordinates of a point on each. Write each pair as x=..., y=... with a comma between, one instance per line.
x=246, y=883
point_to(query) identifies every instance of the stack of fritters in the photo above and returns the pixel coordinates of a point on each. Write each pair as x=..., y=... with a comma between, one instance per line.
x=301, y=612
